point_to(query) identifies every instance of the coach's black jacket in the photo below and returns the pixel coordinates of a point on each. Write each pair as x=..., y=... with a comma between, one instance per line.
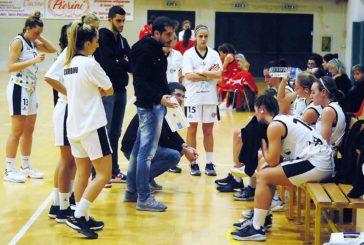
x=113, y=56
x=168, y=139
x=149, y=66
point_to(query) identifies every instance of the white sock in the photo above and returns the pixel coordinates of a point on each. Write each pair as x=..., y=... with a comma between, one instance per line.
x=252, y=182
x=10, y=163
x=25, y=161
x=237, y=179
x=55, y=197
x=209, y=157
x=71, y=186
x=259, y=218
x=64, y=201
x=81, y=209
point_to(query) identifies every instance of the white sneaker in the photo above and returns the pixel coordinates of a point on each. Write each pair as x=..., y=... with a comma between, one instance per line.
x=277, y=204
x=222, y=106
x=31, y=172
x=12, y=175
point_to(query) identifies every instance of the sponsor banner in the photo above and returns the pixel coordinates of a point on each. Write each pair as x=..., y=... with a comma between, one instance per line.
x=75, y=9
x=63, y=9
x=20, y=8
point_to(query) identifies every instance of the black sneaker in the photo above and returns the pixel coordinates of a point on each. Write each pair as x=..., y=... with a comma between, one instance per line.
x=72, y=201
x=250, y=234
x=224, y=181
x=80, y=225
x=53, y=211
x=245, y=194
x=63, y=215
x=210, y=170
x=249, y=222
x=231, y=187
x=195, y=170
x=94, y=224
x=175, y=169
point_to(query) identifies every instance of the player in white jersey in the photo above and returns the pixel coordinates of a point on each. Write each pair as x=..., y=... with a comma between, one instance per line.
x=64, y=173
x=307, y=158
x=22, y=96
x=174, y=63
x=202, y=68
x=296, y=101
x=86, y=82
x=331, y=123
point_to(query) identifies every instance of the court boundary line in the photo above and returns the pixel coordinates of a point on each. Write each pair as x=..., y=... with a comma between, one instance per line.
x=31, y=220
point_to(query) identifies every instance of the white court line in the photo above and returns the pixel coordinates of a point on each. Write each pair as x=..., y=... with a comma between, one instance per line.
x=32, y=219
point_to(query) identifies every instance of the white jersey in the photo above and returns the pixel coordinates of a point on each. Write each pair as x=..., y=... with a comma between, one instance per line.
x=303, y=142
x=200, y=92
x=83, y=77
x=299, y=106
x=174, y=60
x=338, y=129
x=55, y=72
x=27, y=77
x=316, y=108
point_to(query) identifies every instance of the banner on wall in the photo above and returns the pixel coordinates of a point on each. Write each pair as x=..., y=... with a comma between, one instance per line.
x=20, y=8
x=63, y=9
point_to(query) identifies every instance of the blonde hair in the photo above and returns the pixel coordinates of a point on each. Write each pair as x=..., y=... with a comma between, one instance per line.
x=90, y=18
x=79, y=34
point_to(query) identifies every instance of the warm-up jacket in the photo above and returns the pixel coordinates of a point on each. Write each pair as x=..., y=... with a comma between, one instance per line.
x=113, y=56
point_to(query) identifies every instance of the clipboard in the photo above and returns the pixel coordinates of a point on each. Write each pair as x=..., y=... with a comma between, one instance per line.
x=175, y=117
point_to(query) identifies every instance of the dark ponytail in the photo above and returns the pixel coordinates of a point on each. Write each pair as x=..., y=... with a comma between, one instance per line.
x=33, y=21
x=329, y=85
x=186, y=37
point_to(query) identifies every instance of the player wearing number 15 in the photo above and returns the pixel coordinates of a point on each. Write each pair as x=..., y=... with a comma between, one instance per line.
x=22, y=95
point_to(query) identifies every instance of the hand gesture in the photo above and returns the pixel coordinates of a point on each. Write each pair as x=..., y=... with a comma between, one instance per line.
x=167, y=102
x=39, y=58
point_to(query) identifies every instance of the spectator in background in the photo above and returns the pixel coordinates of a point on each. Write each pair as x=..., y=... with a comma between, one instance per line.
x=186, y=24
x=337, y=69
x=186, y=43
x=147, y=29
x=325, y=64
x=314, y=65
x=353, y=101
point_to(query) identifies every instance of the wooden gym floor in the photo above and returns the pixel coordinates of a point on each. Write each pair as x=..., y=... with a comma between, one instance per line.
x=197, y=213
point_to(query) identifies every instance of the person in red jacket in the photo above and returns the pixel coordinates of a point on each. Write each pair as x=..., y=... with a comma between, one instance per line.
x=185, y=43
x=147, y=29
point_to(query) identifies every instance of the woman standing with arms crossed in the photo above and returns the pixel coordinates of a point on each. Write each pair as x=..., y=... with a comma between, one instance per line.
x=86, y=82
x=202, y=68
x=22, y=96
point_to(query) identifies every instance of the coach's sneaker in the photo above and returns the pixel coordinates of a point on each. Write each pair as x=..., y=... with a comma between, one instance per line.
x=175, y=169
x=64, y=214
x=224, y=181
x=53, y=211
x=119, y=178
x=12, y=175
x=250, y=234
x=154, y=186
x=130, y=196
x=245, y=194
x=80, y=225
x=195, y=170
x=210, y=170
x=150, y=204
x=31, y=173
x=94, y=224
x=243, y=223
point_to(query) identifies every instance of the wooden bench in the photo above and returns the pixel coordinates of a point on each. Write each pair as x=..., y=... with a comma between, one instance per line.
x=329, y=196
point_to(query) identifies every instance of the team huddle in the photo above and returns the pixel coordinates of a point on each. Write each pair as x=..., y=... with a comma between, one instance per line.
x=292, y=139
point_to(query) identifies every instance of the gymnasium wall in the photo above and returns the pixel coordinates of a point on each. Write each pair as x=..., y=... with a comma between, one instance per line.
x=329, y=20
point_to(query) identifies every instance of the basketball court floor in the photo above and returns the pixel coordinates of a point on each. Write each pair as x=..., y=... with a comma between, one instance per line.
x=197, y=214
